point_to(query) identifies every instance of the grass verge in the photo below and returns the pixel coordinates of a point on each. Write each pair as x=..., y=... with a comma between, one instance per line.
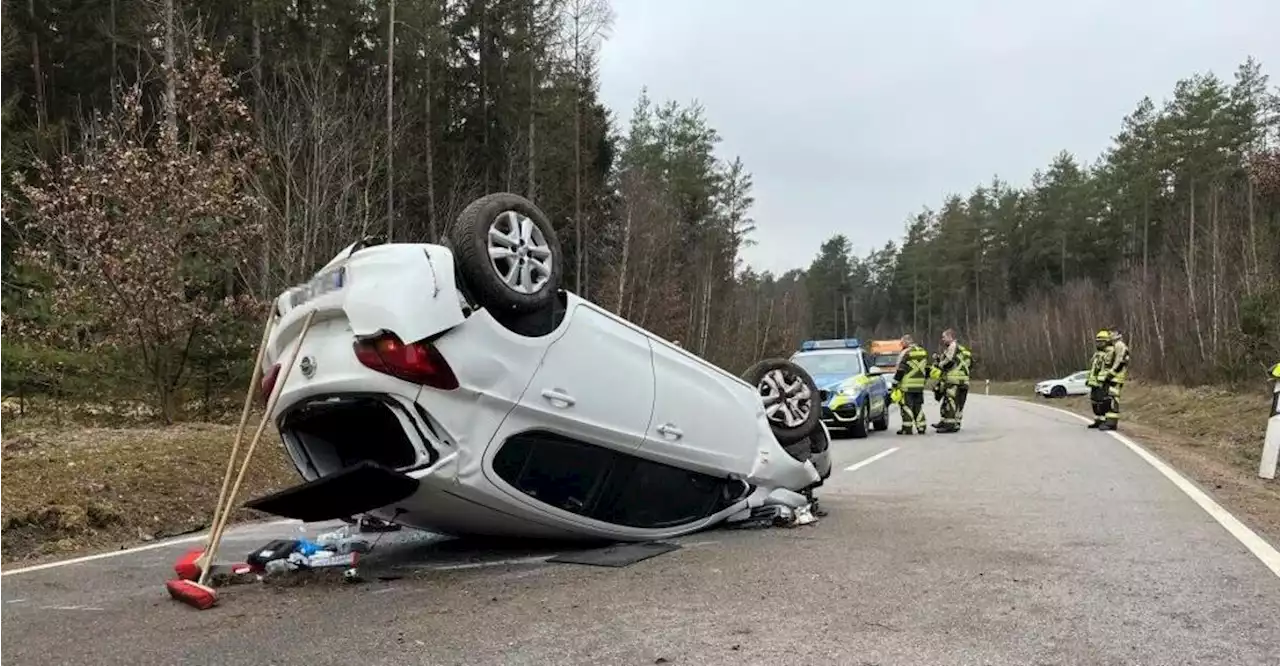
x=73, y=489
x=1212, y=435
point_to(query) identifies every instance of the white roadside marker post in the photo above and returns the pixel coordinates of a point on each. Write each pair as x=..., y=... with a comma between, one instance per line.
x=1271, y=445
x=987, y=389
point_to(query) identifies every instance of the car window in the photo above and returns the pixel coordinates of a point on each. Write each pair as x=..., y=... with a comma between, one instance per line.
x=609, y=485
x=1078, y=376
x=561, y=473
x=648, y=494
x=885, y=359
x=830, y=363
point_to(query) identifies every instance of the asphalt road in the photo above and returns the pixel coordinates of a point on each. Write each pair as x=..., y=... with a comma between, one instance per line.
x=1025, y=539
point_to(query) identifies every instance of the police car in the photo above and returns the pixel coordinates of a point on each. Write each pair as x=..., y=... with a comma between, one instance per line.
x=854, y=397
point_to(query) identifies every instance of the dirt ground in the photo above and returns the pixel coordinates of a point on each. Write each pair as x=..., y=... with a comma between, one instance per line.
x=1212, y=435
x=72, y=489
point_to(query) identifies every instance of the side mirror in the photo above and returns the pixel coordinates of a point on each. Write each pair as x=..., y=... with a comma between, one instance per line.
x=877, y=370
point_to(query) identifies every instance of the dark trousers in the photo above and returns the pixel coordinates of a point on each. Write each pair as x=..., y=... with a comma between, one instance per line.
x=953, y=397
x=912, y=408
x=1105, y=400
x=949, y=408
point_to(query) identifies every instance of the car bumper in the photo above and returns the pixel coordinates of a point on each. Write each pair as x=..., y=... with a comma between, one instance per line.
x=840, y=412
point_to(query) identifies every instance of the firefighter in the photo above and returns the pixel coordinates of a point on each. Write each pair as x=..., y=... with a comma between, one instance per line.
x=1117, y=372
x=1105, y=405
x=962, y=390
x=910, y=379
x=935, y=376
x=952, y=375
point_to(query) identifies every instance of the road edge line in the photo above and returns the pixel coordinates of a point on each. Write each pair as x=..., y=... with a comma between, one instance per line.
x=1255, y=544
x=863, y=463
x=129, y=551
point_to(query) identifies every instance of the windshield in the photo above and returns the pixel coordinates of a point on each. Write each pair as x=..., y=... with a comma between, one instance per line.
x=885, y=359
x=830, y=363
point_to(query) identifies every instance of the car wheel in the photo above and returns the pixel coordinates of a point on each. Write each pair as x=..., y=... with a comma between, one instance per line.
x=791, y=403
x=859, y=428
x=881, y=422
x=508, y=253
x=1058, y=392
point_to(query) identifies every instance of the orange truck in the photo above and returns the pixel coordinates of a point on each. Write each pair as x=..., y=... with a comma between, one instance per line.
x=884, y=354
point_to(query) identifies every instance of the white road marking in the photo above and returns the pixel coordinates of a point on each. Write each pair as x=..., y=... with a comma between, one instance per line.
x=868, y=461
x=72, y=608
x=1264, y=551
x=128, y=551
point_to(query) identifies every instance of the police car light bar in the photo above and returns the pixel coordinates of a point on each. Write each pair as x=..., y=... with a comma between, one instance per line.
x=846, y=343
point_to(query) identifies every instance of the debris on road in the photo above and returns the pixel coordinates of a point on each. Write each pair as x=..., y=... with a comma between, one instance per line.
x=331, y=549
x=371, y=524
x=236, y=574
x=279, y=561
x=778, y=515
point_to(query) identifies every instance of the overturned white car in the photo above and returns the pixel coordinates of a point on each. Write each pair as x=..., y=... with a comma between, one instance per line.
x=462, y=391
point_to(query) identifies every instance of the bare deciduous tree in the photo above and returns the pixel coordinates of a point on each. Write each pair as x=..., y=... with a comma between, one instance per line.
x=136, y=234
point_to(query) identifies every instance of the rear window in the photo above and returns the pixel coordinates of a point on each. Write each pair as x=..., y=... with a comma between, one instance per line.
x=884, y=359
x=841, y=362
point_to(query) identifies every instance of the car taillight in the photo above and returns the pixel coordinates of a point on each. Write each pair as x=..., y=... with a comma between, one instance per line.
x=269, y=382
x=419, y=362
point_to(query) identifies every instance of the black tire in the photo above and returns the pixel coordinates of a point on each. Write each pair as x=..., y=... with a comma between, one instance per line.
x=881, y=422
x=1058, y=392
x=469, y=238
x=860, y=427
x=804, y=413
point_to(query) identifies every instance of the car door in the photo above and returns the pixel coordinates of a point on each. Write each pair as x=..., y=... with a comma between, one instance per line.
x=876, y=387
x=703, y=418
x=1076, y=383
x=595, y=385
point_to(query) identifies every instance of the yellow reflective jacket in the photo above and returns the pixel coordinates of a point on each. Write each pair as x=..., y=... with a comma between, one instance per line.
x=913, y=371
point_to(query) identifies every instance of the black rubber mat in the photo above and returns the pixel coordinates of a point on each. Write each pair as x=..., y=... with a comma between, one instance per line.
x=619, y=555
x=351, y=491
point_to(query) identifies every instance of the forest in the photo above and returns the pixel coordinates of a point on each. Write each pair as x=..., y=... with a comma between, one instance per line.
x=1171, y=236
x=171, y=165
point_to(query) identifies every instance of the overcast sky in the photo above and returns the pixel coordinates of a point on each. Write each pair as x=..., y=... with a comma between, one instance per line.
x=852, y=115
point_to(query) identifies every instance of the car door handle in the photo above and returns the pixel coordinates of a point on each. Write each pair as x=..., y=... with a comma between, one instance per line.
x=669, y=431
x=558, y=398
